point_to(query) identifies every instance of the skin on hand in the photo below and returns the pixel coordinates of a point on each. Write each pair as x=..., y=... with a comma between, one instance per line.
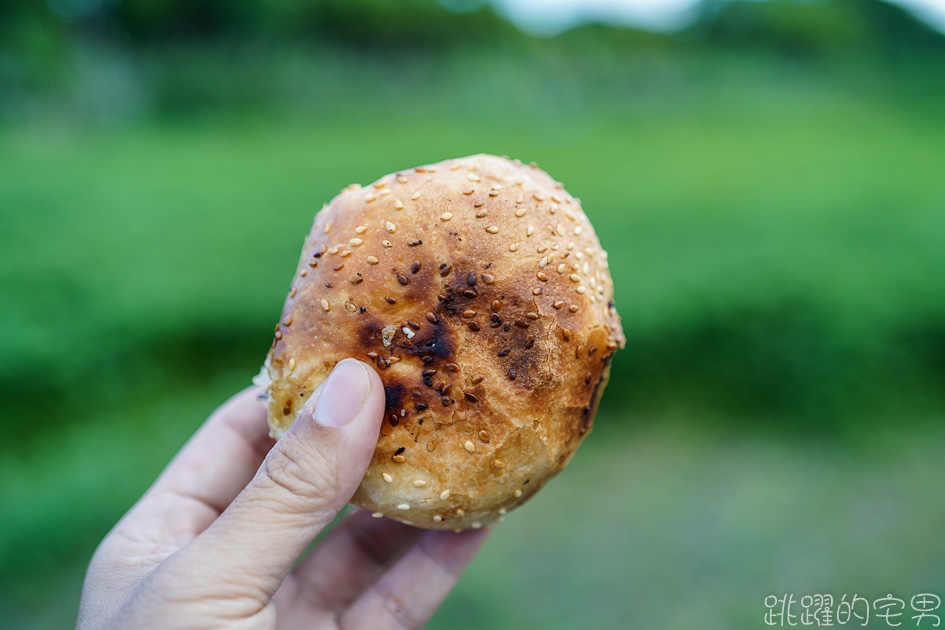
x=213, y=543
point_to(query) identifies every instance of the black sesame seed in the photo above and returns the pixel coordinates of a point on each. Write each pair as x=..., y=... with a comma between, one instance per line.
x=445, y=270
x=413, y=325
x=402, y=279
x=427, y=359
x=471, y=279
x=473, y=326
x=421, y=407
x=415, y=267
x=505, y=327
x=390, y=300
x=428, y=381
x=429, y=372
x=512, y=374
x=400, y=450
x=529, y=344
x=470, y=293
x=328, y=284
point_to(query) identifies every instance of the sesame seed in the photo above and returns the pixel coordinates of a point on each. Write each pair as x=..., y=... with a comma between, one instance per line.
x=573, y=308
x=430, y=446
x=477, y=525
x=484, y=436
x=333, y=250
x=562, y=267
x=346, y=253
x=291, y=364
x=287, y=321
x=400, y=459
x=469, y=446
x=325, y=304
x=469, y=313
x=419, y=483
x=513, y=247
x=492, y=229
x=559, y=230
x=415, y=196
x=578, y=230
x=460, y=512
x=372, y=260
x=542, y=276
x=328, y=228
x=538, y=197
x=387, y=477
x=402, y=279
x=566, y=334
x=446, y=216
x=488, y=278
x=542, y=249
x=481, y=213
x=472, y=177
x=536, y=291
x=575, y=277
x=582, y=289
x=468, y=191
x=529, y=231
x=406, y=506
x=398, y=204
x=520, y=212
x=350, y=307
x=437, y=518
x=498, y=463
x=496, y=306
x=517, y=493
x=531, y=315
x=444, y=495
x=558, y=304
x=355, y=279
x=543, y=262
x=370, y=197
x=401, y=179
x=355, y=242
x=278, y=334
x=432, y=318
x=386, y=243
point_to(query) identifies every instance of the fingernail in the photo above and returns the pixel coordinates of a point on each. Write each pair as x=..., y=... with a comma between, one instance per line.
x=343, y=394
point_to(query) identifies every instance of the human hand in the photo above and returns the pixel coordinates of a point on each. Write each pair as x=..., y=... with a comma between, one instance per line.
x=213, y=542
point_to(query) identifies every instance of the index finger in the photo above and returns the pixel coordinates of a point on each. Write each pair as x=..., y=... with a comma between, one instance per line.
x=211, y=469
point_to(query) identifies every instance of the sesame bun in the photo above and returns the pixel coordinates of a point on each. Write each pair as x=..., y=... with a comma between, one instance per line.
x=477, y=289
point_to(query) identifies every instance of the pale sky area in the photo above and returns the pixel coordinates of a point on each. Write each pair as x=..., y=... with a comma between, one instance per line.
x=553, y=16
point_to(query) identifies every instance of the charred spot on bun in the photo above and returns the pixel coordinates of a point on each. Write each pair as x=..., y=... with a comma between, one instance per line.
x=478, y=290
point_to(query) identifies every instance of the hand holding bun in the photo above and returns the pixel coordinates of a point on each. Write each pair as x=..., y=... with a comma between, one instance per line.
x=478, y=290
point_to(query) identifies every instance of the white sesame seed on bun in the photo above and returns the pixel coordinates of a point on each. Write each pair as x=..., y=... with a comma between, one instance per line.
x=478, y=290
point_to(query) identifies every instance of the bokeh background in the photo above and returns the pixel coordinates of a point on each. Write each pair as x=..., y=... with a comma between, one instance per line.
x=768, y=176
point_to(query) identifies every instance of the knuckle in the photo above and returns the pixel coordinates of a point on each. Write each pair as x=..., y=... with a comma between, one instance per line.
x=299, y=475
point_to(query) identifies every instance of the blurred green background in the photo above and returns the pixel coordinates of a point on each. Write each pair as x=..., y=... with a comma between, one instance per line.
x=769, y=180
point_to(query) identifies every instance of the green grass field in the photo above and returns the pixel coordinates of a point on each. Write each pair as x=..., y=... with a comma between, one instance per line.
x=774, y=425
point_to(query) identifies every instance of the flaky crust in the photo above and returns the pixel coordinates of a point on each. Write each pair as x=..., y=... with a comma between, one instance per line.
x=479, y=291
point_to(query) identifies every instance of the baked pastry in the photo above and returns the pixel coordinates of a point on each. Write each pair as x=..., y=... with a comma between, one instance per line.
x=479, y=291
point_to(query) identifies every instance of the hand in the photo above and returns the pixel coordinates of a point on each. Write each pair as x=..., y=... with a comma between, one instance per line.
x=213, y=542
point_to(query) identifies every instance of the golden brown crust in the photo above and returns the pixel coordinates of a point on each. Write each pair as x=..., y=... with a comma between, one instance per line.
x=479, y=290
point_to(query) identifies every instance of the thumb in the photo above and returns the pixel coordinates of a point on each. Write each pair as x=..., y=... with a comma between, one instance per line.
x=304, y=482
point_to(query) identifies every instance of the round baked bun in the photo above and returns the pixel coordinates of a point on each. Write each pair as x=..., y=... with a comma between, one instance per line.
x=477, y=289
